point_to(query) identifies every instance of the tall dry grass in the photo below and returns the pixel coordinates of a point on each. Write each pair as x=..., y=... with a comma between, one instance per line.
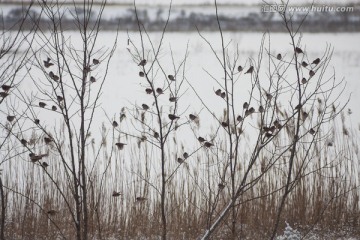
x=324, y=200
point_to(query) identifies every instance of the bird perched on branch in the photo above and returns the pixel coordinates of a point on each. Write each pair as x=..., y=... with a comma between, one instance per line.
x=145, y=106
x=4, y=94
x=316, y=61
x=5, y=87
x=23, y=142
x=159, y=91
x=180, y=160
x=52, y=212
x=95, y=61
x=35, y=158
x=245, y=105
x=142, y=62
x=298, y=50
x=173, y=117
x=141, y=199
x=148, y=90
x=304, y=64
x=116, y=194
x=240, y=68
x=192, y=117
x=171, y=77
x=120, y=145
x=47, y=140
x=115, y=124
x=42, y=104
x=279, y=57
x=201, y=139
x=10, y=118
x=47, y=63
x=208, y=144
x=250, y=70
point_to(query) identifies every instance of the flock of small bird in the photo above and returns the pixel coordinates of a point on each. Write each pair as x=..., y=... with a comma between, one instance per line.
x=268, y=131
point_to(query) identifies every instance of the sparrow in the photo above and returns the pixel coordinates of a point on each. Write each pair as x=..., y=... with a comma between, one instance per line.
x=223, y=94
x=185, y=155
x=304, y=64
x=47, y=63
x=35, y=158
x=208, y=144
x=143, y=138
x=221, y=186
x=156, y=135
x=239, y=118
x=247, y=113
x=4, y=94
x=316, y=61
x=250, y=70
x=92, y=79
x=59, y=98
x=312, y=131
x=245, y=105
x=116, y=194
x=37, y=121
x=141, y=74
x=278, y=57
x=142, y=62
x=10, y=118
x=268, y=96
x=277, y=124
x=141, y=199
x=171, y=77
x=311, y=73
x=180, y=160
x=304, y=115
x=173, y=117
x=120, y=145
x=261, y=109
x=95, y=61
x=148, y=90
x=23, y=142
x=145, y=107
x=115, y=124
x=42, y=104
x=192, y=117
x=298, y=106
x=47, y=140
x=159, y=91
x=5, y=87
x=224, y=124
x=201, y=139
x=252, y=110
x=240, y=68
x=44, y=164
x=53, y=76
x=54, y=108
x=172, y=99
x=298, y=50
x=303, y=80
x=87, y=69
x=52, y=212
x=268, y=135
x=218, y=92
